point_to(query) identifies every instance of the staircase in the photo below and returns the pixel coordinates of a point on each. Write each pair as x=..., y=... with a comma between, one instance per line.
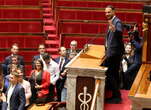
x=50, y=28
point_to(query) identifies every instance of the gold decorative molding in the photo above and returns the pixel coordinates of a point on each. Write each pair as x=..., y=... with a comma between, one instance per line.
x=145, y=26
x=146, y=19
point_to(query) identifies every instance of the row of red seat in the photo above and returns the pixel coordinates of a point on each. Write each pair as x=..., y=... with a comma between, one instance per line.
x=21, y=26
x=101, y=4
x=7, y=13
x=28, y=55
x=82, y=40
x=24, y=41
x=78, y=27
x=20, y=2
x=98, y=15
x=87, y=28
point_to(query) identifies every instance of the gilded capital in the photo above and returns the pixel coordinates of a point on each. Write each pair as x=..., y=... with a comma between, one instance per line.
x=145, y=26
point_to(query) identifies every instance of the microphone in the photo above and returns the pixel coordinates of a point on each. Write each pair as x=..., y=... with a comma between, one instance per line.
x=86, y=46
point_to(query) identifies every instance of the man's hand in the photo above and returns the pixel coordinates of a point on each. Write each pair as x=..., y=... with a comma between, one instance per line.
x=38, y=86
x=3, y=97
x=111, y=26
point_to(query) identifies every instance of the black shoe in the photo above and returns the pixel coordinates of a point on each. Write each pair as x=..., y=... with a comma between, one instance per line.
x=113, y=100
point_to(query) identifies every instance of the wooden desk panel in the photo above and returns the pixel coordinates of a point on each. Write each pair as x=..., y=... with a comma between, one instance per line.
x=43, y=107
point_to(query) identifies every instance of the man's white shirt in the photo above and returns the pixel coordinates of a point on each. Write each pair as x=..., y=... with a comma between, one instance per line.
x=53, y=69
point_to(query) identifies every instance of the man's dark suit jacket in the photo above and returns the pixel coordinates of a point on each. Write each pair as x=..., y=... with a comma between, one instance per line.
x=17, y=100
x=60, y=82
x=66, y=62
x=8, y=60
x=115, y=45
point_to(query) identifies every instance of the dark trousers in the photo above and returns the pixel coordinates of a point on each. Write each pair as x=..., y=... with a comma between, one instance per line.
x=112, y=79
x=51, y=92
x=59, y=87
x=130, y=75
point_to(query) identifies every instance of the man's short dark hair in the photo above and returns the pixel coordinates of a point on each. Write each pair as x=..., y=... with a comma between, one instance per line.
x=46, y=56
x=110, y=6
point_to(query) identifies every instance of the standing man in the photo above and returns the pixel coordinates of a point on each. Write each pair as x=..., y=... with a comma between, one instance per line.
x=114, y=51
x=62, y=60
x=53, y=68
x=73, y=51
x=15, y=94
x=42, y=50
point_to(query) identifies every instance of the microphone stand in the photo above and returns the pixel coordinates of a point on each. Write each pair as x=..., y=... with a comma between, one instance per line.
x=86, y=46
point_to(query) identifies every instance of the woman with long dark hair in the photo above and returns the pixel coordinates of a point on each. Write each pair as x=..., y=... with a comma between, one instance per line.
x=40, y=81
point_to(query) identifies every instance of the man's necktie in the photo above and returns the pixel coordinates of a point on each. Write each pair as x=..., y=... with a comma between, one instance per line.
x=61, y=61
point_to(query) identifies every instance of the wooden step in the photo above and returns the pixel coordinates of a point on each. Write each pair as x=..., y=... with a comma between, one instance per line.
x=52, y=49
x=46, y=4
x=52, y=42
x=49, y=15
x=48, y=21
x=49, y=28
x=47, y=10
x=52, y=36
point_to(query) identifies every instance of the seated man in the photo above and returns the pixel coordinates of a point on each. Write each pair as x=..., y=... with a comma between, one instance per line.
x=7, y=61
x=14, y=64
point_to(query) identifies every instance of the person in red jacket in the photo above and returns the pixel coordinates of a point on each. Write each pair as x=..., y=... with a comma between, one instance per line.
x=40, y=81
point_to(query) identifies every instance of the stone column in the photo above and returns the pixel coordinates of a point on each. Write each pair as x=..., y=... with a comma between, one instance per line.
x=71, y=91
x=100, y=97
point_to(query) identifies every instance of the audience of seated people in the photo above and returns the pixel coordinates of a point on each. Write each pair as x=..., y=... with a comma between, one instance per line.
x=8, y=59
x=40, y=82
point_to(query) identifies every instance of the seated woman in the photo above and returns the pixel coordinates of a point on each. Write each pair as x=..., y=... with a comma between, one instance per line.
x=136, y=42
x=126, y=61
x=40, y=81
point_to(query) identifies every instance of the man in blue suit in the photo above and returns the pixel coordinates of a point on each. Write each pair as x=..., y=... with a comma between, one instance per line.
x=114, y=51
x=15, y=95
x=62, y=61
x=42, y=50
x=8, y=59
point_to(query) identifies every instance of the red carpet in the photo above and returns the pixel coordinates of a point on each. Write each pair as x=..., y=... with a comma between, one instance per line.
x=125, y=105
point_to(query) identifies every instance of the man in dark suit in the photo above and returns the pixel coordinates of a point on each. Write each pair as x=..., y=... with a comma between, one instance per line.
x=72, y=51
x=42, y=50
x=14, y=51
x=62, y=61
x=114, y=51
x=8, y=59
x=15, y=95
